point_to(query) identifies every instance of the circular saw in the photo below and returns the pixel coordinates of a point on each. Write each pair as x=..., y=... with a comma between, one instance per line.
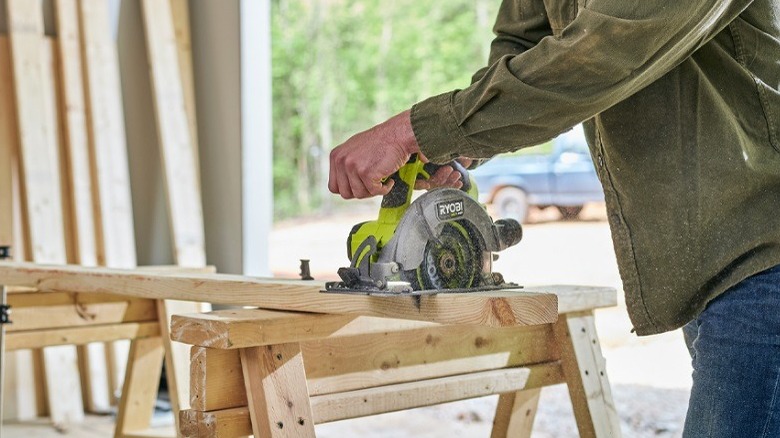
x=444, y=241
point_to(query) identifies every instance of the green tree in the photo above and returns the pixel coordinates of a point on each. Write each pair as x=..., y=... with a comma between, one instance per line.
x=341, y=66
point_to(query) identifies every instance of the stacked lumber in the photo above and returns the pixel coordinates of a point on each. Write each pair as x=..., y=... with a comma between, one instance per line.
x=65, y=198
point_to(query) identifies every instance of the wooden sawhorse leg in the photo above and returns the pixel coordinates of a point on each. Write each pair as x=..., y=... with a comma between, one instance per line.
x=276, y=390
x=139, y=392
x=515, y=414
x=586, y=376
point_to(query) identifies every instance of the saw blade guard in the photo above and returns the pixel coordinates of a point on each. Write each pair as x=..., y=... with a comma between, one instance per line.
x=426, y=218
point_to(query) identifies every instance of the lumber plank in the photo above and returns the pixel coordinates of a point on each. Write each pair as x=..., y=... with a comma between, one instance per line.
x=37, y=130
x=106, y=136
x=216, y=379
x=239, y=328
x=362, y=361
x=494, y=308
x=95, y=387
x=19, y=397
x=74, y=126
x=53, y=317
x=515, y=414
x=8, y=145
x=178, y=153
x=109, y=170
x=140, y=388
x=228, y=423
x=81, y=335
x=180, y=11
x=277, y=396
x=33, y=66
x=333, y=407
x=156, y=432
x=176, y=146
x=39, y=299
x=586, y=376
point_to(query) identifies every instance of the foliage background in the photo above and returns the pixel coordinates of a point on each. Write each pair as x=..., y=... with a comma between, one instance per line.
x=341, y=66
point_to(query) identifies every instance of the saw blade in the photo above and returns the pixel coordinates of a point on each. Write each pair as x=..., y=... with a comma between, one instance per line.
x=451, y=260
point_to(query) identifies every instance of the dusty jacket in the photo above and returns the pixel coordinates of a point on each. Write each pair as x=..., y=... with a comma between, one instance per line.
x=683, y=111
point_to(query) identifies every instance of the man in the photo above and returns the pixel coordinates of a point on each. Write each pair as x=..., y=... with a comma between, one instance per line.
x=682, y=107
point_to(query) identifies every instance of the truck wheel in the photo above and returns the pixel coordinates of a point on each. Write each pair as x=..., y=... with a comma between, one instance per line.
x=512, y=203
x=570, y=213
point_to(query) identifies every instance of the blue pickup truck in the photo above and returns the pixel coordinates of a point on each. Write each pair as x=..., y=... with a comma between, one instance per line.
x=559, y=174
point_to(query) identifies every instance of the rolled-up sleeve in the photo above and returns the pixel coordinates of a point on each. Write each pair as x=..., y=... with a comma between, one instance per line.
x=532, y=92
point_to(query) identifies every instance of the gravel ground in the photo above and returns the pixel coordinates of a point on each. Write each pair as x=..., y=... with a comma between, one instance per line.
x=650, y=376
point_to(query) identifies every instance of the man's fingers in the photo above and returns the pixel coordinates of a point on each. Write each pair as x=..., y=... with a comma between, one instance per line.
x=344, y=188
x=422, y=184
x=454, y=178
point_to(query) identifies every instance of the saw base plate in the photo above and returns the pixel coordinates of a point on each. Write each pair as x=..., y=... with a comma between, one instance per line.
x=337, y=287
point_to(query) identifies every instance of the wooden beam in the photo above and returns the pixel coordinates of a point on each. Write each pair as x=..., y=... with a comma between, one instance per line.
x=176, y=146
x=371, y=401
x=216, y=424
x=52, y=317
x=358, y=362
x=140, y=388
x=81, y=335
x=33, y=66
x=333, y=407
x=277, y=396
x=495, y=308
x=75, y=144
x=8, y=146
x=515, y=414
x=180, y=10
x=107, y=140
x=586, y=376
x=239, y=328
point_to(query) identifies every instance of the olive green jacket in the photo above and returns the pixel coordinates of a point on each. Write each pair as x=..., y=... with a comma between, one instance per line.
x=683, y=113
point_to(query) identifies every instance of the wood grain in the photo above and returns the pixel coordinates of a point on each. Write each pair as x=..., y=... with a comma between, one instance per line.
x=586, y=375
x=277, y=397
x=357, y=362
x=34, y=79
x=495, y=308
x=81, y=335
x=235, y=422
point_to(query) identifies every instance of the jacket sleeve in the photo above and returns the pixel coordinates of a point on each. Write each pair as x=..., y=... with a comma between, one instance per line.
x=612, y=49
x=517, y=29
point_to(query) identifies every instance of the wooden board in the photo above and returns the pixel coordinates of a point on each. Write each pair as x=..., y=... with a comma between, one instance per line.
x=8, y=145
x=239, y=328
x=225, y=423
x=106, y=135
x=176, y=145
x=357, y=362
x=235, y=422
x=74, y=123
x=275, y=385
x=515, y=414
x=33, y=63
x=495, y=308
x=586, y=376
x=82, y=335
x=180, y=11
x=19, y=395
x=142, y=377
x=178, y=152
x=78, y=194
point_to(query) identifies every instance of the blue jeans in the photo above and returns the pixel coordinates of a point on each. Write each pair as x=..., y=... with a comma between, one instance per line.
x=735, y=348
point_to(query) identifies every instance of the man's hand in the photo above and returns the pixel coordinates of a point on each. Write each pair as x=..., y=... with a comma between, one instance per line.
x=358, y=166
x=446, y=176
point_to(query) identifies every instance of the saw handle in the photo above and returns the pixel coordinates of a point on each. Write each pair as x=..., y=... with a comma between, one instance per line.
x=404, y=178
x=465, y=178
